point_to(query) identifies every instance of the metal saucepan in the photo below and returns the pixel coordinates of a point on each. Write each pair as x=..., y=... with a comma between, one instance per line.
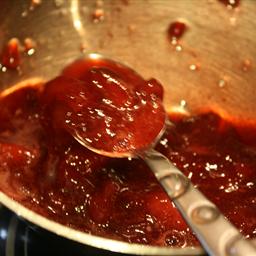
x=212, y=66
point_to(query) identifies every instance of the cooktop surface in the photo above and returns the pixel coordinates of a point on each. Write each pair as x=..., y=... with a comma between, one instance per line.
x=20, y=238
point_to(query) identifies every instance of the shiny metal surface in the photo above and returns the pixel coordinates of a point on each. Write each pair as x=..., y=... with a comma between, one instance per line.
x=214, y=65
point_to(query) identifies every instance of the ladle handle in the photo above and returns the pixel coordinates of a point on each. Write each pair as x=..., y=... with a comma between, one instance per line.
x=216, y=234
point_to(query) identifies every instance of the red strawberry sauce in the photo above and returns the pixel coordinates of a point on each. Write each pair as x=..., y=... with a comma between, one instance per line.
x=46, y=170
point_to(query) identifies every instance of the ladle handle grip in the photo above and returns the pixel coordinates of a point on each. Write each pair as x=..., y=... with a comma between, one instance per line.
x=216, y=234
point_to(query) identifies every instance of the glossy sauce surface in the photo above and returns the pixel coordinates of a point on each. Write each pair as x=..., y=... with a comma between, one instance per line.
x=45, y=169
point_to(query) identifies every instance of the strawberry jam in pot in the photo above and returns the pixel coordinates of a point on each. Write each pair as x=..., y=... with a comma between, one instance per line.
x=44, y=168
x=106, y=106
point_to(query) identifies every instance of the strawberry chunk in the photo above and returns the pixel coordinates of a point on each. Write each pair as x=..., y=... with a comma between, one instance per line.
x=102, y=202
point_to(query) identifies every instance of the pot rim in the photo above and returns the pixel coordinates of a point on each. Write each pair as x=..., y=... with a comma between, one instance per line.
x=93, y=240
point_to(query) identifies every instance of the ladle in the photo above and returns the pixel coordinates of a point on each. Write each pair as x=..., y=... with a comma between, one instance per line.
x=215, y=233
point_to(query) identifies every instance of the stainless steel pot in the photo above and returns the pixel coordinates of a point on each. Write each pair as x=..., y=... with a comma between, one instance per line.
x=212, y=66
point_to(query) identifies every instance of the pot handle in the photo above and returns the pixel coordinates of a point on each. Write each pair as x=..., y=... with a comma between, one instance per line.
x=215, y=233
